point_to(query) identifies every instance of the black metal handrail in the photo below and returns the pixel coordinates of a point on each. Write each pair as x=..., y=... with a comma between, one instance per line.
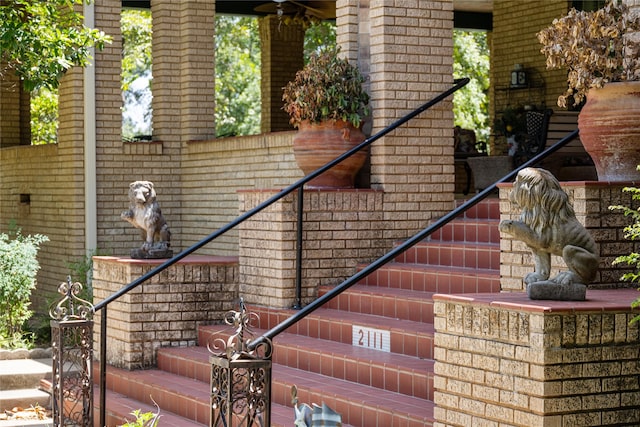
x=102, y=305
x=315, y=304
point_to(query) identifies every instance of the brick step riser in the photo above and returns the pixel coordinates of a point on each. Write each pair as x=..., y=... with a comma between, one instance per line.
x=386, y=377
x=192, y=408
x=383, y=305
x=433, y=280
x=465, y=255
x=406, y=342
x=487, y=209
x=351, y=408
x=469, y=231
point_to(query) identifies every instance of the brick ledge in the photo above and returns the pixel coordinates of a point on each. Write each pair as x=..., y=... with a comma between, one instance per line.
x=191, y=259
x=597, y=300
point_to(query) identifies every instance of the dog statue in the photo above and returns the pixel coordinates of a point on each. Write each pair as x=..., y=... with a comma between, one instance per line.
x=144, y=213
x=548, y=226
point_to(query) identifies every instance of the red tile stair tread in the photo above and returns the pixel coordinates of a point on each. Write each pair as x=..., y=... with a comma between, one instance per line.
x=385, y=290
x=122, y=406
x=453, y=269
x=159, y=379
x=369, y=320
x=338, y=349
x=345, y=390
x=342, y=389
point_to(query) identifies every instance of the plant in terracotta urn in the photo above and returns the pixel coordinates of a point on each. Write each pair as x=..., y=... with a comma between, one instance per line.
x=601, y=50
x=327, y=103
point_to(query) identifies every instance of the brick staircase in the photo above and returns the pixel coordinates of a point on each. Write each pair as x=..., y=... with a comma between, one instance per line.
x=367, y=354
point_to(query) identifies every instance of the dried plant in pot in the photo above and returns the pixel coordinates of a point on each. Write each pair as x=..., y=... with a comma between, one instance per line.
x=327, y=103
x=601, y=52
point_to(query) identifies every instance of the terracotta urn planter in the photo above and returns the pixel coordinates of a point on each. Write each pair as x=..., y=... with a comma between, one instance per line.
x=316, y=144
x=609, y=126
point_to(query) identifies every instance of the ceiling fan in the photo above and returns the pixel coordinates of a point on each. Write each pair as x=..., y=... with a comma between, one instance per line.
x=320, y=10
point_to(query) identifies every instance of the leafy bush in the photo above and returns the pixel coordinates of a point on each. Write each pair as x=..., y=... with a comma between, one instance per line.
x=631, y=232
x=18, y=268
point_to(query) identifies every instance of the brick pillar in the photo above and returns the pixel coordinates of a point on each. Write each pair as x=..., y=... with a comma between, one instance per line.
x=183, y=71
x=411, y=50
x=282, y=47
x=15, y=127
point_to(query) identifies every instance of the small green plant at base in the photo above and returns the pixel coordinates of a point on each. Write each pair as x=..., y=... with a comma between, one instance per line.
x=18, y=268
x=631, y=232
x=144, y=419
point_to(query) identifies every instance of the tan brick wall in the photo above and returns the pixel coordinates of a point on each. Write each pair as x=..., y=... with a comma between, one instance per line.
x=52, y=176
x=591, y=201
x=164, y=311
x=213, y=172
x=533, y=364
x=514, y=41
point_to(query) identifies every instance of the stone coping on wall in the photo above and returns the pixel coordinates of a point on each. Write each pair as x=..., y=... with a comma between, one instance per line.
x=189, y=259
x=597, y=300
x=315, y=189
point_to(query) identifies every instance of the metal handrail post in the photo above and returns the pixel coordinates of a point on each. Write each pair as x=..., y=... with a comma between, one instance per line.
x=103, y=367
x=299, y=231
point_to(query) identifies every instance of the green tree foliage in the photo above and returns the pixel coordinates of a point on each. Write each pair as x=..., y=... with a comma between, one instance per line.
x=237, y=76
x=136, y=26
x=319, y=37
x=40, y=40
x=471, y=103
x=631, y=232
x=18, y=268
x=44, y=116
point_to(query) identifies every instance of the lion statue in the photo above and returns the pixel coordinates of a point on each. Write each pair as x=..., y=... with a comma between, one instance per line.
x=144, y=213
x=548, y=226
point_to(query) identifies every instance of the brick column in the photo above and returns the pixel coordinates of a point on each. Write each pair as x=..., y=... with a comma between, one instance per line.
x=411, y=43
x=15, y=126
x=183, y=70
x=281, y=48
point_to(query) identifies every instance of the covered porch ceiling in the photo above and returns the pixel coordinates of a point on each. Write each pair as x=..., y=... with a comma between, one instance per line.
x=471, y=14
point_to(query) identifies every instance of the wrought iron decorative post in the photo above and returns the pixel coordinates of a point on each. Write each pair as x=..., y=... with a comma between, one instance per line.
x=240, y=379
x=72, y=342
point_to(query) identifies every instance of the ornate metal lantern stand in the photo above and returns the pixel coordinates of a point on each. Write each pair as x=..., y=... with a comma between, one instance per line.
x=72, y=342
x=240, y=378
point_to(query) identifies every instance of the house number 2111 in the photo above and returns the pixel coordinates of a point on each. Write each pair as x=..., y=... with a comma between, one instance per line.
x=375, y=339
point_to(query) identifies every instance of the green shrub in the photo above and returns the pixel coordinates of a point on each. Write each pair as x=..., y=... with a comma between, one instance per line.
x=143, y=419
x=18, y=268
x=631, y=232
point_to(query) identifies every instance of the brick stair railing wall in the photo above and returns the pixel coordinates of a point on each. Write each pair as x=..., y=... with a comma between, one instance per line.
x=166, y=310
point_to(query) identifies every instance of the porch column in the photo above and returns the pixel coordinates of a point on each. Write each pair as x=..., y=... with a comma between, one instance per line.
x=282, y=49
x=407, y=45
x=183, y=70
x=15, y=115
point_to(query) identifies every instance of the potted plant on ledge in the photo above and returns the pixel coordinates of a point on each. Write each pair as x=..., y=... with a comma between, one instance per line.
x=601, y=50
x=327, y=103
